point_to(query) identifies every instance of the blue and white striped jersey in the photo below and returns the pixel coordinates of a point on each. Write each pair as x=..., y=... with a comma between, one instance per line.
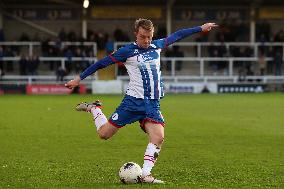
x=143, y=65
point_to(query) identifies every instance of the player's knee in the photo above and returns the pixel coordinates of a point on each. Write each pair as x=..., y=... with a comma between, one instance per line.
x=159, y=139
x=107, y=131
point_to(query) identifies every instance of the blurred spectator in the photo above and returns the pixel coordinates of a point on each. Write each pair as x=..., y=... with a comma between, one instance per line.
x=262, y=63
x=45, y=47
x=92, y=36
x=51, y=53
x=161, y=33
x=1, y=52
x=60, y=73
x=175, y=52
x=24, y=37
x=263, y=29
x=241, y=31
x=87, y=63
x=245, y=66
x=71, y=36
x=279, y=36
x=78, y=53
x=202, y=37
x=224, y=34
x=205, y=89
x=101, y=41
x=1, y=62
x=89, y=34
x=2, y=37
x=263, y=48
x=109, y=45
x=270, y=64
x=62, y=35
x=168, y=53
x=16, y=50
x=32, y=65
x=278, y=62
x=213, y=52
x=218, y=51
x=119, y=35
x=58, y=47
x=68, y=63
x=233, y=31
x=23, y=65
x=222, y=52
x=36, y=37
x=9, y=53
x=1, y=73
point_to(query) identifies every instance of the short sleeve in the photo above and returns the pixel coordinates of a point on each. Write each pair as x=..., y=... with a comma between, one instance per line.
x=120, y=55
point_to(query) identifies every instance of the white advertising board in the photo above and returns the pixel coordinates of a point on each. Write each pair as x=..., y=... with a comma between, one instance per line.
x=190, y=87
x=107, y=87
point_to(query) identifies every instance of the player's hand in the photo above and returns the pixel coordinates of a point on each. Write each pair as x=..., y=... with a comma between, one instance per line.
x=208, y=26
x=73, y=83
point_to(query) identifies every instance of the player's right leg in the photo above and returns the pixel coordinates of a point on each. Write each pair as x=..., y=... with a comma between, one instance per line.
x=104, y=128
x=125, y=114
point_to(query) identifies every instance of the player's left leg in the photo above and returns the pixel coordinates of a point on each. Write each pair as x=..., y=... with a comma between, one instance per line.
x=155, y=133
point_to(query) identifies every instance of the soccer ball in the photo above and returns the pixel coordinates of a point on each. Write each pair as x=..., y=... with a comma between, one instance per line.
x=130, y=173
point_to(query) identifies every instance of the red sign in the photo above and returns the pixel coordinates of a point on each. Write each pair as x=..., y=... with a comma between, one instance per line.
x=52, y=89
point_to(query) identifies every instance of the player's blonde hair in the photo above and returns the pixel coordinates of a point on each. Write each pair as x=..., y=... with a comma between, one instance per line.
x=144, y=23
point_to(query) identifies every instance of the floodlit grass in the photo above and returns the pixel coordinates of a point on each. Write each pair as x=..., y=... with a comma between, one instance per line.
x=212, y=141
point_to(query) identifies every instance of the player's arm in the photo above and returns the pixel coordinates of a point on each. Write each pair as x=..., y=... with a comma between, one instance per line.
x=183, y=33
x=90, y=70
x=106, y=61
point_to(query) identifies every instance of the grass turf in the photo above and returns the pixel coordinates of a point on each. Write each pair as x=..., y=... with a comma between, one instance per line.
x=212, y=141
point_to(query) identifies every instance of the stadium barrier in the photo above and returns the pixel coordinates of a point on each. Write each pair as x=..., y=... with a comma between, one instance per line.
x=200, y=46
x=231, y=61
x=53, y=89
x=39, y=89
x=198, y=52
x=32, y=45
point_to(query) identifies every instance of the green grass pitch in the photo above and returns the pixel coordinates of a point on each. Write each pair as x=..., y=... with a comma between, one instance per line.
x=211, y=141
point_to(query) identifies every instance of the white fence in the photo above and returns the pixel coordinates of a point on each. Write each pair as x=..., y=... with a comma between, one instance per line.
x=201, y=45
x=199, y=59
x=231, y=61
x=201, y=56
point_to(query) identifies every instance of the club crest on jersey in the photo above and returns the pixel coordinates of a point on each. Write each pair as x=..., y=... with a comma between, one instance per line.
x=114, y=116
x=148, y=56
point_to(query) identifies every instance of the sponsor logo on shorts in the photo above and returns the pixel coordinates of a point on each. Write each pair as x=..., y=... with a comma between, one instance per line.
x=114, y=116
